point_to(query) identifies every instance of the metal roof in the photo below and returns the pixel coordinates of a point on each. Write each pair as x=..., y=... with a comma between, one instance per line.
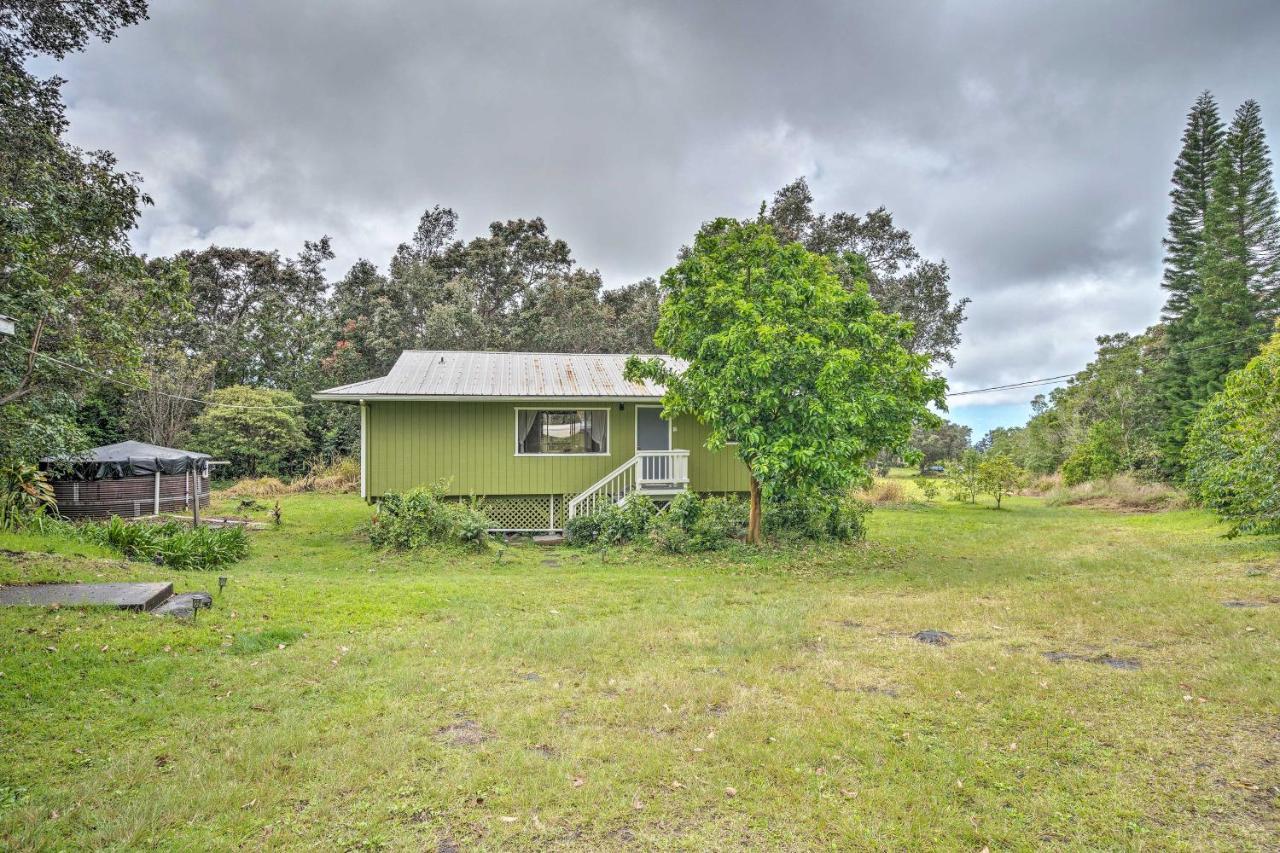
x=452, y=375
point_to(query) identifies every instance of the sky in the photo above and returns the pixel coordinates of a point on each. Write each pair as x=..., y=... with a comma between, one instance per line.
x=1029, y=145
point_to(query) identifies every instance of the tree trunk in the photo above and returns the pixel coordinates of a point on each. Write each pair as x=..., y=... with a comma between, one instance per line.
x=753, y=520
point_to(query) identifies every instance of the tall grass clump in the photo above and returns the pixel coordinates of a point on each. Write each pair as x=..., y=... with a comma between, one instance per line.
x=1123, y=492
x=422, y=516
x=885, y=492
x=338, y=476
x=169, y=544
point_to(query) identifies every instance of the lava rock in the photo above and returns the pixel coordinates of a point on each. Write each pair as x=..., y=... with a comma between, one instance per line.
x=933, y=638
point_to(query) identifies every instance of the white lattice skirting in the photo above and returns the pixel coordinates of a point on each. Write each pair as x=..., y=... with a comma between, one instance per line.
x=525, y=513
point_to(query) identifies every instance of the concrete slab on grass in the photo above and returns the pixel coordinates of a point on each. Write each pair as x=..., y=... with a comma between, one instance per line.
x=126, y=596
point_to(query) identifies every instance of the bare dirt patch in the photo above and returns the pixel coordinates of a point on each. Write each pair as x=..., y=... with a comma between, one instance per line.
x=463, y=733
x=1104, y=659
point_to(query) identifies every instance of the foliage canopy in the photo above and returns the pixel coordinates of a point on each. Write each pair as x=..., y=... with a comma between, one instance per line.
x=809, y=378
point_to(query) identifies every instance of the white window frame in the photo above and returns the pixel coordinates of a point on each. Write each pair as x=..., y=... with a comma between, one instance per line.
x=608, y=429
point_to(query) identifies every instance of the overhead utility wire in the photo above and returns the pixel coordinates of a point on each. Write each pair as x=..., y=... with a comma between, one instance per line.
x=1053, y=380
x=135, y=387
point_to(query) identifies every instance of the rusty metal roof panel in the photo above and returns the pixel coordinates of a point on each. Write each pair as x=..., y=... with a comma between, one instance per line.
x=453, y=374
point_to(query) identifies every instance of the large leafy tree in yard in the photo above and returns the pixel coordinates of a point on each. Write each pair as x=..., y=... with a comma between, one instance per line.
x=258, y=430
x=870, y=250
x=809, y=378
x=1232, y=456
x=82, y=300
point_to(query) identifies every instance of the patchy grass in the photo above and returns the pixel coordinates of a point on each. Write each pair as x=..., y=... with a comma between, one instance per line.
x=583, y=700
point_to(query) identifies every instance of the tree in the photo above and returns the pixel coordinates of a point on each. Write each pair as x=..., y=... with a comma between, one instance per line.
x=809, y=378
x=1232, y=451
x=1000, y=476
x=258, y=430
x=255, y=317
x=1192, y=177
x=162, y=413
x=940, y=443
x=1099, y=457
x=871, y=249
x=1239, y=271
x=964, y=480
x=82, y=300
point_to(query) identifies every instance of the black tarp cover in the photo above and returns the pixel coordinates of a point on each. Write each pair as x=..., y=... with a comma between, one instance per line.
x=126, y=459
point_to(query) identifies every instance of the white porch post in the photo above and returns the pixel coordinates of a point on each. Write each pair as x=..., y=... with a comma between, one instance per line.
x=364, y=450
x=157, y=502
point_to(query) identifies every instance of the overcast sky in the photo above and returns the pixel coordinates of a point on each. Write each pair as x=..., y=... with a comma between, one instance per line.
x=1028, y=144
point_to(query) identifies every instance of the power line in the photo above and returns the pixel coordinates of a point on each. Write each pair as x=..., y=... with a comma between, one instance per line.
x=1053, y=380
x=104, y=377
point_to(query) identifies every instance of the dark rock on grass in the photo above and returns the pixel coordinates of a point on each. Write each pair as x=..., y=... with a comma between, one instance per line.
x=531, y=676
x=932, y=637
x=1238, y=603
x=1105, y=660
x=463, y=733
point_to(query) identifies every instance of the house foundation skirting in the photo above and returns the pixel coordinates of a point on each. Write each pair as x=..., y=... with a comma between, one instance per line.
x=525, y=513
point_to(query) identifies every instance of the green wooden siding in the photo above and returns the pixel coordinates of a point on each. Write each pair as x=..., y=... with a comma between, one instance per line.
x=472, y=447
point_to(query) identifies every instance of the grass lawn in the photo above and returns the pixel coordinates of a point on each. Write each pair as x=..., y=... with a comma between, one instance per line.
x=340, y=698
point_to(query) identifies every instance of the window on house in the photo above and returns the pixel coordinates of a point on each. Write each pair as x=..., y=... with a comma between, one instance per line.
x=553, y=431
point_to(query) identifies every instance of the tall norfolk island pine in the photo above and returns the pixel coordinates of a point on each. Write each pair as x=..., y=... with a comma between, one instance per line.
x=1234, y=295
x=1192, y=179
x=810, y=380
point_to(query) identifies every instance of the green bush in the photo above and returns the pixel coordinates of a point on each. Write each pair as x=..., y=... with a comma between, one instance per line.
x=25, y=492
x=613, y=524
x=422, y=516
x=1233, y=446
x=691, y=524
x=1098, y=457
x=258, y=430
x=169, y=544
x=816, y=516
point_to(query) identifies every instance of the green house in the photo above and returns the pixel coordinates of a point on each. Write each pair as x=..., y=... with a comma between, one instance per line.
x=541, y=437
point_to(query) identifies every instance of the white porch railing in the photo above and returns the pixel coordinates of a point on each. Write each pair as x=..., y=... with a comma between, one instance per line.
x=647, y=471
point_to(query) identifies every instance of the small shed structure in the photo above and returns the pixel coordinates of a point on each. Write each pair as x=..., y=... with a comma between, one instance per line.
x=130, y=478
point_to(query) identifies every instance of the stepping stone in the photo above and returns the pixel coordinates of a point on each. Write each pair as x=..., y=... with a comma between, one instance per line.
x=554, y=539
x=125, y=596
x=184, y=606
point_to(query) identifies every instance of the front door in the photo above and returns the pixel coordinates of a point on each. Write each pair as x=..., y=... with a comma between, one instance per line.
x=653, y=433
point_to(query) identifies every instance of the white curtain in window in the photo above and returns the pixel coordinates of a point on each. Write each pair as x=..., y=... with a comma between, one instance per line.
x=597, y=431
x=530, y=430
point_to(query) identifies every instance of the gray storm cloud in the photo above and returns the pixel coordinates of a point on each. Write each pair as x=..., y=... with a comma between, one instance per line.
x=1029, y=145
